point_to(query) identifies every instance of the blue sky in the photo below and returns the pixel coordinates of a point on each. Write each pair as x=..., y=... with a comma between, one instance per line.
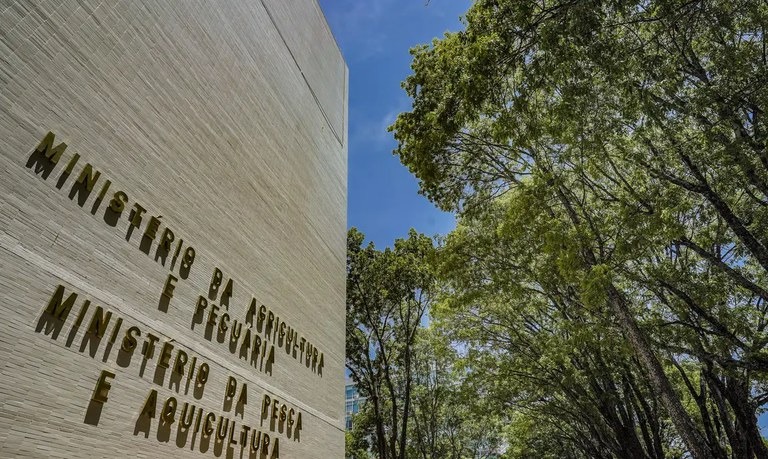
x=375, y=36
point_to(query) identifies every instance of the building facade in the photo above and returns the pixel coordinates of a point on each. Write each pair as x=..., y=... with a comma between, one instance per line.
x=172, y=229
x=352, y=403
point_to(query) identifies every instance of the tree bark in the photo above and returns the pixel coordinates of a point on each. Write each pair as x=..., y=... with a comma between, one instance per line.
x=686, y=428
x=658, y=379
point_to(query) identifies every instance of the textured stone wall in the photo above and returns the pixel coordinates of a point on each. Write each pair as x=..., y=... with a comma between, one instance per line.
x=214, y=125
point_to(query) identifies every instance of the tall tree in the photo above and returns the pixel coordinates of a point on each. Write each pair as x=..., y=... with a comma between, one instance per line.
x=388, y=294
x=541, y=345
x=449, y=418
x=633, y=132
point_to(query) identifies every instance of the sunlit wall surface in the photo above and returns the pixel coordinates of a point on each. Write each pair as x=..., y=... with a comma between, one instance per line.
x=172, y=229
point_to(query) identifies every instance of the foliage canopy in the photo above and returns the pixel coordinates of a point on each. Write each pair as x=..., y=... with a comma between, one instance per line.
x=608, y=160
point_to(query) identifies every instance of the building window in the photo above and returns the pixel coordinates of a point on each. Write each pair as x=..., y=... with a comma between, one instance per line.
x=352, y=404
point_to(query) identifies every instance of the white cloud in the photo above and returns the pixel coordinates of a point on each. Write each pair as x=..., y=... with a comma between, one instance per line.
x=372, y=133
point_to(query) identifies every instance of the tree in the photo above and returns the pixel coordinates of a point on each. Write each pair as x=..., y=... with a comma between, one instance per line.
x=357, y=441
x=550, y=360
x=388, y=294
x=449, y=419
x=631, y=133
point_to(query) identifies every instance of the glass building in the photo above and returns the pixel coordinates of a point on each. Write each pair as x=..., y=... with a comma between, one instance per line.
x=352, y=401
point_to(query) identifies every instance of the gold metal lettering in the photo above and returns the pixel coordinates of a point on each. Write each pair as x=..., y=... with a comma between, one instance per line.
x=273, y=338
x=129, y=341
x=244, y=435
x=176, y=253
x=212, y=314
x=221, y=435
x=101, y=390
x=167, y=240
x=170, y=285
x=262, y=316
x=116, y=330
x=255, y=441
x=136, y=214
x=150, y=405
x=99, y=322
x=281, y=334
x=165, y=355
x=189, y=258
x=208, y=426
x=71, y=165
x=251, y=313
x=213, y=288
x=88, y=177
x=202, y=374
x=224, y=323
x=270, y=322
x=169, y=410
x=265, y=443
x=57, y=308
x=181, y=361
x=226, y=294
x=184, y=422
x=117, y=204
x=232, y=440
x=152, y=227
x=149, y=346
x=266, y=402
x=80, y=318
x=231, y=387
x=47, y=149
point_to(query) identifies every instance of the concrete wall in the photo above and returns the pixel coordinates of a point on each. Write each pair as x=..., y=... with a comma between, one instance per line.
x=226, y=118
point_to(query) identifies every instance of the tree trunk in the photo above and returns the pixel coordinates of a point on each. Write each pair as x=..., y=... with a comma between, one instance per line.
x=686, y=428
x=406, y=400
x=737, y=394
x=380, y=436
x=658, y=379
